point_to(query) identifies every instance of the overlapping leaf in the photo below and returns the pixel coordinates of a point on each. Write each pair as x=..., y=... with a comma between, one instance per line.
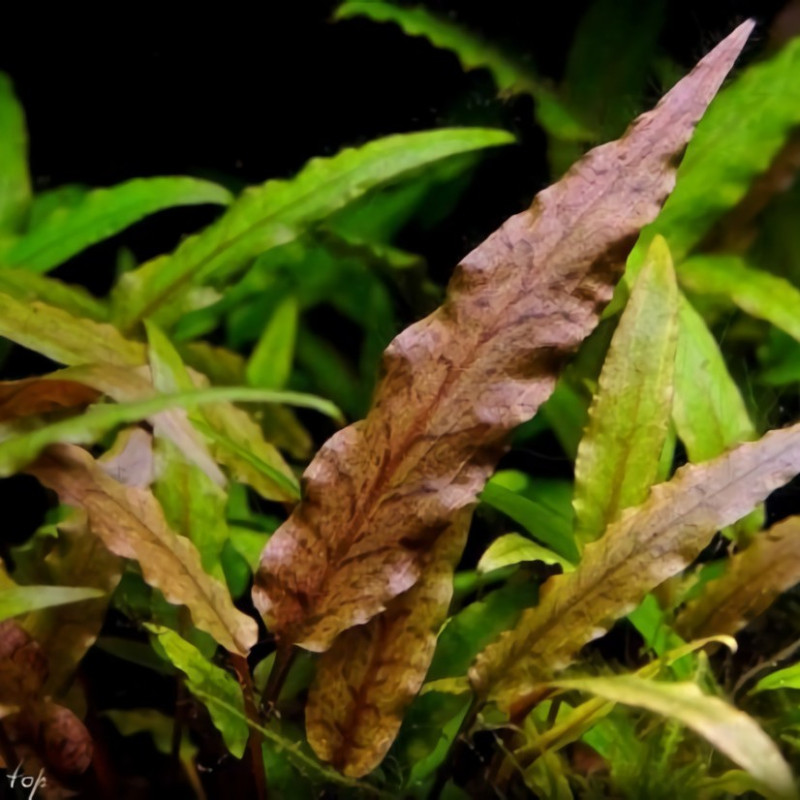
x=379, y=493
x=618, y=456
x=646, y=546
x=102, y=213
x=131, y=524
x=752, y=581
x=15, y=184
x=277, y=212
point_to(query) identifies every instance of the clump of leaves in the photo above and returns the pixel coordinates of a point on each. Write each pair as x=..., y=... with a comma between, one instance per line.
x=176, y=461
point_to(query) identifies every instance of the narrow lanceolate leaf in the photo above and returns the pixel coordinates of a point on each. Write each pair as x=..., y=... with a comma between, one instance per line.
x=131, y=524
x=708, y=410
x=65, y=338
x=234, y=437
x=731, y=731
x=647, y=545
x=756, y=292
x=15, y=184
x=16, y=451
x=271, y=362
x=364, y=683
x=512, y=549
x=277, y=212
x=22, y=599
x=380, y=492
x=788, y=678
x=510, y=75
x=206, y=678
x=28, y=287
x=102, y=213
x=619, y=453
x=193, y=503
x=752, y=581
x=746, y=126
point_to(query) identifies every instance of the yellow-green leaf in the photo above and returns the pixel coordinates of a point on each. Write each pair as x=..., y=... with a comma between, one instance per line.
x=618, y=456
x=731, y=731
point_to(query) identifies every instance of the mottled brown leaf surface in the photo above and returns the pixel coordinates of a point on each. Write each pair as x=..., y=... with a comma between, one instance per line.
x=752, y=581
x=42, y=395
x=647, y=545
x=131, y=524
x=51, y=731
x=364, y=683
x=380, y=492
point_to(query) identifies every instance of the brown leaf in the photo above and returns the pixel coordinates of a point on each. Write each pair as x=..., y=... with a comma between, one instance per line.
x=364, y=683
x=647, y=545
x=41, y=396
x=753, y=580
x=380, y=492
x=23, y=666
x=66, y=744
x=131, y=524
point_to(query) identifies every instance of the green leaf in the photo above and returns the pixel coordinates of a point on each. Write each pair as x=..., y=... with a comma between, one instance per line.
x=204, y=678
x=533, y=517
x=53, y=201
x=65, y=338
x=473, y=52
x=29, y=286
x=607, y=68
x=512, y=549
x=15, y=184
x=22, y=599
x=756, y=292
x=787, y=678
x=277, y=212
x=618, y=456
x=102, y=213
x=708, y=410
x=731, y=731
x=741, y=133
x=193, y=504
x=19, y=450
x=270, y=364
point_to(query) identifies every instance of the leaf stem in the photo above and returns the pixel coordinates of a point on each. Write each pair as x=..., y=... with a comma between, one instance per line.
x=242, y=668
x=284, y=658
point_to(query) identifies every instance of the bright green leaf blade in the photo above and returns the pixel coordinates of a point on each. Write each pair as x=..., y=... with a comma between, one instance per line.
x=708, y=410
x=194, y=505
x=102, y=213
x=756, y=292
x=266, y=216
x=17, y=451
x=619, y=454
x=28, y=287
x=788, y=678
x=270, y=364
x=203, y=677
x=15, y=184
x=737, y=139
x=731, y=731
x=65, y=338
x=512, y=549
x=53, y=201
x=473, y=53
x=528, y=512
x=22, y=599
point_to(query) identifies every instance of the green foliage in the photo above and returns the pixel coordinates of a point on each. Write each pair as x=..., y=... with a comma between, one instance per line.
x=201, y=385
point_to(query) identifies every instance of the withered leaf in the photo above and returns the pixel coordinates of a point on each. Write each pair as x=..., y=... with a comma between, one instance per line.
x=364, y=683
x=42, y=395
x=647, y=545
x=131, y=524
x=380, y=492
x=23, y=666
x=752, y=581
